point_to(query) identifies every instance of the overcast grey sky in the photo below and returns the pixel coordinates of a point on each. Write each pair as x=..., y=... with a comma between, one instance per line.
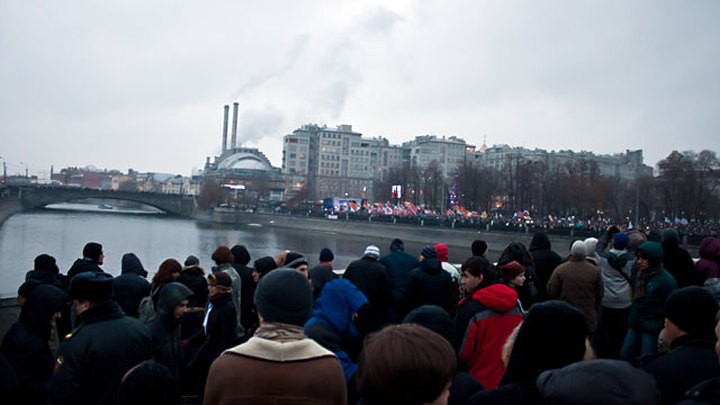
x=141, y=84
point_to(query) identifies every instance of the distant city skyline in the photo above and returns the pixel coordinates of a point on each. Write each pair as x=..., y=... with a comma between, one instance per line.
x=139, y=85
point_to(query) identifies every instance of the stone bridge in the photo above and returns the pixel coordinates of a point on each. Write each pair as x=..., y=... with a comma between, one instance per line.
x=38, y=197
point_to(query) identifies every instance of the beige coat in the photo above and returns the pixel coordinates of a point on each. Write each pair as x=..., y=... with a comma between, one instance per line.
x=580, y=284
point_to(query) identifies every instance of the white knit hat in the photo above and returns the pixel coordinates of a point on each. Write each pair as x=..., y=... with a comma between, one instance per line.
x=578, y=248
x=372, y=250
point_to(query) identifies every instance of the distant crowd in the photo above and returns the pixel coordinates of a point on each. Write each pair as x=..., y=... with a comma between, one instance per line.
x=620, y=320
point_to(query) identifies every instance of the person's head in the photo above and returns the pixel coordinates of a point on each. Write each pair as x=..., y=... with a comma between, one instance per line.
x=42, y=308
x=636, y=238
x=578, y=250
x=372, y=252
x=690, y=310
x=263, y=266
x=326, y=255
x=649, y=255
x=94, y=252
x=513, y=274
x=168, y=271
x=432, y=317
x=240, y=254
x=591, y=246
x=219, y=283
x=552, y=335
x=405, y=364
x=620, y=241
x=284, y=296
x=25, y=289
x=479, y=247
x=428, y=252
x=130, y=263
x=397, y=245
x=300, y=264
x=149, y=383
x=173, y=301
x=476, y=273
x=222, y=255
x=442, y=252
x=90, y=288
x=46, y=264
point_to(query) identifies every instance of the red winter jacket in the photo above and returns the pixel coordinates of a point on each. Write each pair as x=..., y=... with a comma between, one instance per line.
x=492, y=314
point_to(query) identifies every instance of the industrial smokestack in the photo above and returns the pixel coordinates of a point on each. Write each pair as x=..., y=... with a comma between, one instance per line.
x=234, y=127
x=225, y=125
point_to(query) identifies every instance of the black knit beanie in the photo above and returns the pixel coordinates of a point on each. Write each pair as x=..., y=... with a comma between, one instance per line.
x=47, y=264
x=692, y=309
x=326, y=255
x=284, y=296
x=429, y=252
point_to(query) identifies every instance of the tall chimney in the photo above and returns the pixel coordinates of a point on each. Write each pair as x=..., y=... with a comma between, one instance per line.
x=234, y=127
x=225, y=125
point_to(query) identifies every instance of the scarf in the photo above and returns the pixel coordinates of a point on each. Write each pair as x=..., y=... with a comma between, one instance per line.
x=642, y=279
x=280, y=332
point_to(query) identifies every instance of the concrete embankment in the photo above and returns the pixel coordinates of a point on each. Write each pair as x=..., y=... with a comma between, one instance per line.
x=9, y=206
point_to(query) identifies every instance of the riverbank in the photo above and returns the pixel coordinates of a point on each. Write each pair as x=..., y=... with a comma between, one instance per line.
x=9, y=206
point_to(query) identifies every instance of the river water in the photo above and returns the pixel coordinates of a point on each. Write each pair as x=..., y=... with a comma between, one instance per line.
x=154, y=238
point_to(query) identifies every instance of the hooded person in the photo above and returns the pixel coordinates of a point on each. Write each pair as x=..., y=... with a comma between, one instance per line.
x=598, y=382
x=279, y=351
x=709, y=264
x=242, y=258
x=130, y=287
x=429, y=284
x=652, y=285
x=192, y=276
x=371, y=277
x=165, y=328
x=25, y=345
x=591, y=245
x=676, y=260
x=518, y=252
x=262, y=267
x=442, y=255
x=545, y=260
x=93, y=257
x=690, y=315
x=399, y=264
x=332, y=325
x=46, y=271
x=224, y=259
x=551, y=336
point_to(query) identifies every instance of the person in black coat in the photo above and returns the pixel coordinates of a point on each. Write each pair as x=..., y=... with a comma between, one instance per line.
x=93, y=257
x=101, y=349
x=371, y=277
x=677, y=260
x=165, y=327
x=192, y=276
x=46, y=271
x=247, y=307
x=690, y=319
x=131, y=286
x=218, y=330
x=26, y=343
x=429, y=284
x=545, y=260
x=399, y=264
x=529, y=291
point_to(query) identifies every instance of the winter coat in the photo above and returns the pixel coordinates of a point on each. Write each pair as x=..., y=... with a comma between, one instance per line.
x=598, y=382
x=580, y=284
x=709, y=264
x=320, y=275
x=430, y=285
x=399, y=265
x=529, y=292
x=247, y=293
x=219, y=334
x=616, y=286
x=45, y=277
x=165, y=328
x=371, y=277
x=690, y=361
x=545, y=260
x=332, y=325
x=705, y=393
x=25, y=345
x=93, y=359
x=263, y=371
x=676, y=260
x=193, y=277
x=517, y=393
x=482, y=324
x=130, y=287
x=81, y=266
x=647, y=314
x=236, y=294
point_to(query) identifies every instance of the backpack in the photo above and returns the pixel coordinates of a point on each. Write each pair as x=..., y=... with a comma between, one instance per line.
x=146, y=309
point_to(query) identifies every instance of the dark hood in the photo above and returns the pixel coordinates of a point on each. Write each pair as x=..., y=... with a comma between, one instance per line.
x=670, y=238
x=171, y=295
x=431, y=265
x=540, y=241
x=241, y=255
x=710, y=249
x=618, y=260
x=41, y=304
x=131, y=264
x=515, y=251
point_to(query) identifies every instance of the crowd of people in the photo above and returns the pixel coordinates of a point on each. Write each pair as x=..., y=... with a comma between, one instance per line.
x=621, y=320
